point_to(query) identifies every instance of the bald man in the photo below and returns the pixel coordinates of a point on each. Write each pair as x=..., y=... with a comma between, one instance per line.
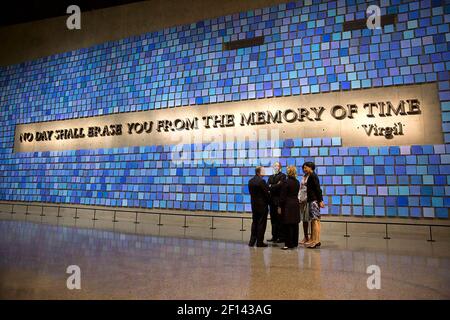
x=275, y=182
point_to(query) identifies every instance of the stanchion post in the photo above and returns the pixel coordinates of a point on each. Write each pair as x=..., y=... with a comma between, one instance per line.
x=136, y=220
x=185, y=222
x=242, y=225
x=59, y=215
x=114, y=219
x=212, y=223
x=431, y=236
x=159, y=220
x=346, y=230
x=386, y=235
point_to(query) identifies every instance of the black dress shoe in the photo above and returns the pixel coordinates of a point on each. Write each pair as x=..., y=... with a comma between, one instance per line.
x=262, y=245
x=251, y=244
x=271, y=240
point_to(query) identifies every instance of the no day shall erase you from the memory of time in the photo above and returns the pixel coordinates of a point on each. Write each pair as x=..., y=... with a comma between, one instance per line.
x=412, y=117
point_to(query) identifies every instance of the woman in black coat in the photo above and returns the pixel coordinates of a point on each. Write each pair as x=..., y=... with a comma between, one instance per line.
x=290, y=208
x=315, y=202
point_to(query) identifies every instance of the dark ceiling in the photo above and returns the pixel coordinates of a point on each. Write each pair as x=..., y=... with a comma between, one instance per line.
x=20, y=11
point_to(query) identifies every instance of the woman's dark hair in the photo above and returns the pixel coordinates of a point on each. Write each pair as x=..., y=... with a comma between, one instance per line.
x=309, y=164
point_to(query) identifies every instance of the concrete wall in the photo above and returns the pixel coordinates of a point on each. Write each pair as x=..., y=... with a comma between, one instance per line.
x=36, y=39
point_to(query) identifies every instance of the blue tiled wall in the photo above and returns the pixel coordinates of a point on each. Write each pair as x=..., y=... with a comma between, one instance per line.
x=305, y=52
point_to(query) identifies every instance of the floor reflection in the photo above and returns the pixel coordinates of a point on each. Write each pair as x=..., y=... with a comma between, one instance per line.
x=170, y=265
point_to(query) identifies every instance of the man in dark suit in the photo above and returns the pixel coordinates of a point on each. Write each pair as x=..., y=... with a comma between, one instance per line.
x=275, y=182
x=259, y=192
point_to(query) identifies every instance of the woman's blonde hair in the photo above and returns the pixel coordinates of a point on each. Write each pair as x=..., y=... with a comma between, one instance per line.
x=292, y=171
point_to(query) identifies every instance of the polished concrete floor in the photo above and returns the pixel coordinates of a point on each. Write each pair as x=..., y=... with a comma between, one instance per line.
x=123, y=260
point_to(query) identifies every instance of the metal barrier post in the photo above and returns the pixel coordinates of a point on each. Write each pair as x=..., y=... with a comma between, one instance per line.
x=346, y=229
x=95, y=211
x=242, y=225
x=42, y=211
x=212, y=223
x=114, y=219
x=12, y=209
x=159, y=220
x=136, y=221
x=185, y=222
x=431, y=236
x=59, y=209
x=76, y=214
x=386, y=236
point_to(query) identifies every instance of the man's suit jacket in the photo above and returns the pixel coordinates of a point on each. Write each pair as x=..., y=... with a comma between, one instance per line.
x=259, y=192
x=275, y=187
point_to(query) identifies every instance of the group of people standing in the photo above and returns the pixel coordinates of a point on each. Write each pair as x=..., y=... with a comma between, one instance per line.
x=289, y=202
